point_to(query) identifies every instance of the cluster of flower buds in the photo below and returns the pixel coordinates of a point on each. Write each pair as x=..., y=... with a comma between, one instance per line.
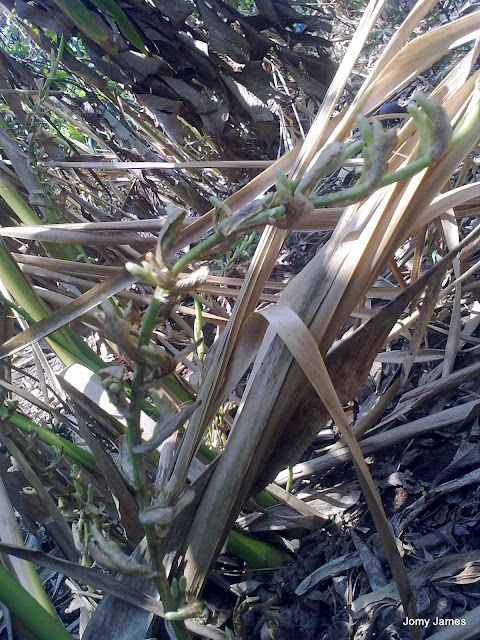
x=291, y=199
x=156, y=268
x=433, y=124
x=119, y=330
x=108, y=554
x=166, y=505
x=112, y=382
x=188, y=605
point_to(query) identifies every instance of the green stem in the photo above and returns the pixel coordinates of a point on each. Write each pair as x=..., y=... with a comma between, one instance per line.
x=199, y=249
x=347, y=196
x=42, y=624
x=27, y=215
x=54, y=440
x=161, y=582
x=352, y=149
x=78, y=350
x=198, y=327
x=133, y=433
x=406, y=172
x=289, y=480
x=358, y=191
x=195, y=252
x=257, y=554
x=134, y=437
